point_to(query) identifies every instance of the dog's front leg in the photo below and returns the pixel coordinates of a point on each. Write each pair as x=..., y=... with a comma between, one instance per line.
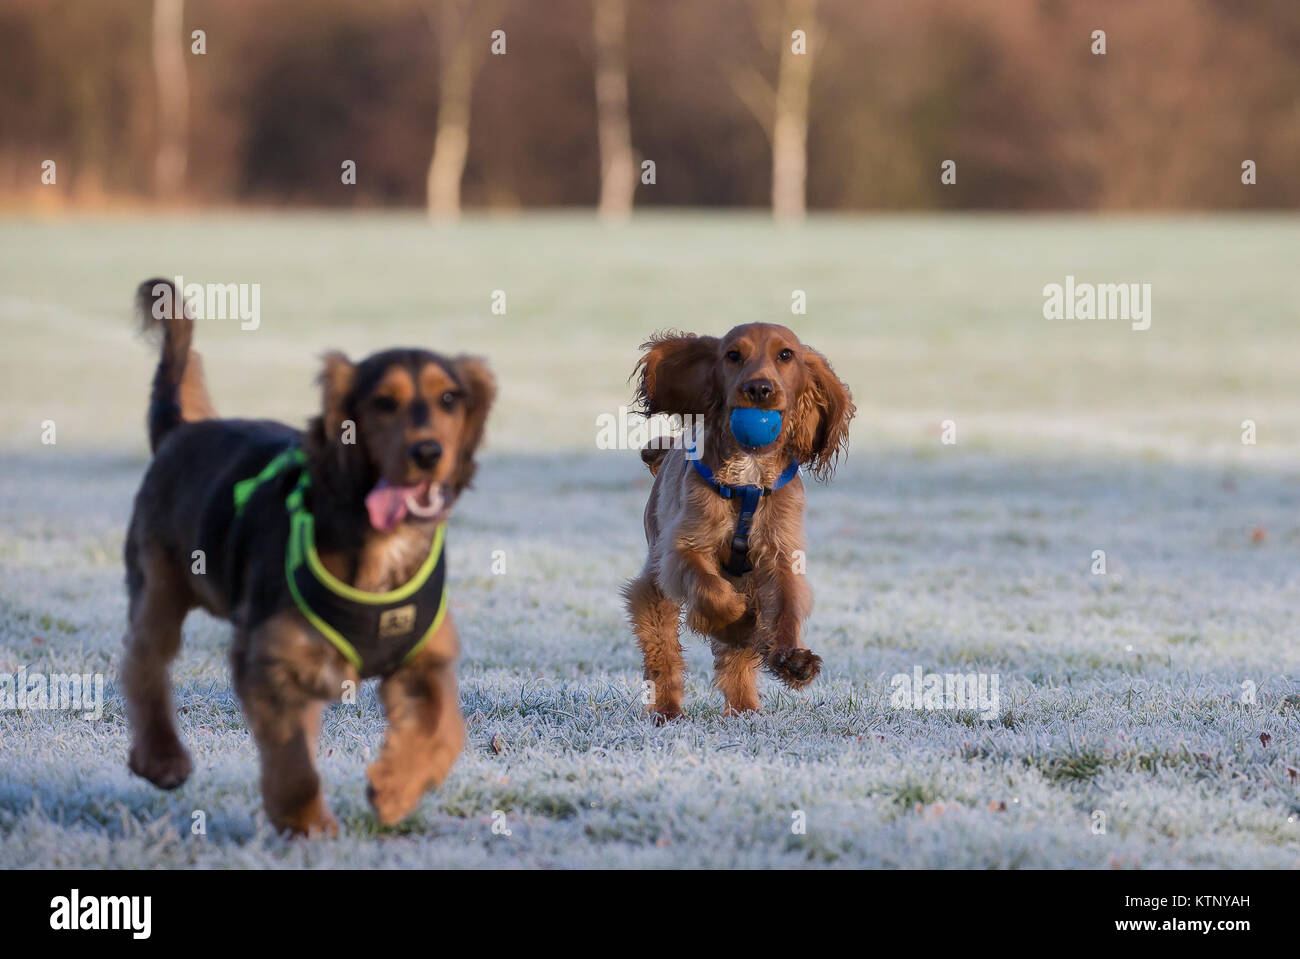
x=426, y=731
x=789, y=599
x=283, y=676
x=713, y=603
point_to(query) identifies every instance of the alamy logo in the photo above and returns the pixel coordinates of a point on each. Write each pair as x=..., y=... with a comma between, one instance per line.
x=1101, y=301
x=628, y=430
x=922, y=690
x=108, y=913
x=68, y=691
x=212, y=301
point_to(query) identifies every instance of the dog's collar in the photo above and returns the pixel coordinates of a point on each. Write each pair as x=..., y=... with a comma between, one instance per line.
x=376, y=632
x=738, y=562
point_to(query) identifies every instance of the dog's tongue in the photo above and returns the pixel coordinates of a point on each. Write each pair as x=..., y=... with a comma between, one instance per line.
x=386, y=503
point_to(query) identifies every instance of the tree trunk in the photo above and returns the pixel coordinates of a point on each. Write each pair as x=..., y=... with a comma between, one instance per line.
x=462, y=31
x=790, y=124
x=173, y=96
x=617, y=163
x=455, y=86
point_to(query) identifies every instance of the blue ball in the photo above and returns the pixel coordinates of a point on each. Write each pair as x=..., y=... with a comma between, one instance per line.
x=755, y=428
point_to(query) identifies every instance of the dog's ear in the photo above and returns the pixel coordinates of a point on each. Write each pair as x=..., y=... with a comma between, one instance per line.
x=480, y=388
x=676, y=374
x=820, y=431
x=337, y=377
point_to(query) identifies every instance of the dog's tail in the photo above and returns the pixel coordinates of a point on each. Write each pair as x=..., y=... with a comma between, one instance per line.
x=179, y=393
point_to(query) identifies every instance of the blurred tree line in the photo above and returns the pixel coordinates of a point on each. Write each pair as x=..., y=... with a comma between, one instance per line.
x=287, y=90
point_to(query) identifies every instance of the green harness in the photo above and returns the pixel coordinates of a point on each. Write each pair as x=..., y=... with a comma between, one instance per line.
x=376, y=632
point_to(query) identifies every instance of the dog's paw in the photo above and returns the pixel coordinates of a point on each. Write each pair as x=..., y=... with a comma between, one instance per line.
x=714, y=611
x=663, y=715
x=167, y=767
x=313, y=820
x=794, y=665
x=391, y=792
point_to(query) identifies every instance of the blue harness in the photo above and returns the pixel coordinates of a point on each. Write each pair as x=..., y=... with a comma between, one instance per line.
x=738, y=562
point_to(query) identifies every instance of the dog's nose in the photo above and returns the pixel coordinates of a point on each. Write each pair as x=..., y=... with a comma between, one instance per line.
x=425, y=454
x=757, y=390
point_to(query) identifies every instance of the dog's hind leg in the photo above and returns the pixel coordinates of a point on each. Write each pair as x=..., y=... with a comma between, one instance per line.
x=283, y=676
x=656, y=621
x=735, y=672
x=159, y=602
x=426, y=731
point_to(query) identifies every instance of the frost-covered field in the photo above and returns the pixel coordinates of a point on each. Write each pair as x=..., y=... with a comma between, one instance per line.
x=1121, y=694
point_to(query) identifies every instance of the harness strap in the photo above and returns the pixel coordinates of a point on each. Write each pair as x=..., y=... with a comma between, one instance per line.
x=738, y=563
x=288, y=459
x=387, y=629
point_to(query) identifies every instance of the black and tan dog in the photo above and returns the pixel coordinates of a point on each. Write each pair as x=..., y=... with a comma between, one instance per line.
x=323, y=548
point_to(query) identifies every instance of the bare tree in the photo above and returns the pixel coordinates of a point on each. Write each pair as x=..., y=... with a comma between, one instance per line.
x=617, y=163
x=782, y=111
x=461, y=29
x=173, y=96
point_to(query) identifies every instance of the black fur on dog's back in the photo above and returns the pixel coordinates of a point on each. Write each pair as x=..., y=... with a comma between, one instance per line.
x=186, y=502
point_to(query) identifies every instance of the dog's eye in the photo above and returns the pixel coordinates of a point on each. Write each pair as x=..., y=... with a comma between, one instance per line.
x=733, y=356
x=448, y=400
x=785, y=356
x=385, y=404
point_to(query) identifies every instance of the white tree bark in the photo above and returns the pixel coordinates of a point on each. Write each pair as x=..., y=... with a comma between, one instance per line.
x=790, y=125
x=782, y=111
x=463, y=36
x=617, y=163
x=173, y=96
